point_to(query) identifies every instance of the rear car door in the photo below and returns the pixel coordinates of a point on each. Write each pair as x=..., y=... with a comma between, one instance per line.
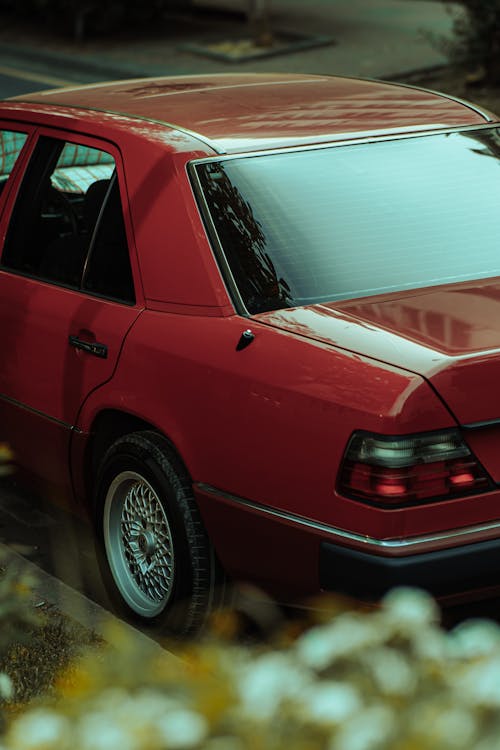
x=67, y=295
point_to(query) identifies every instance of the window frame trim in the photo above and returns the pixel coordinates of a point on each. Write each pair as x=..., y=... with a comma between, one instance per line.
x=9, y=194
x=67, y=135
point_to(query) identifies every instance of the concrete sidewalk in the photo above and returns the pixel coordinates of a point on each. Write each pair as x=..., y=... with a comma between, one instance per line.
x=72, y=603
x=372, y=38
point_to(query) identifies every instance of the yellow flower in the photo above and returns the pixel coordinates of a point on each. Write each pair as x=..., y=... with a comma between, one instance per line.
x=74, y=682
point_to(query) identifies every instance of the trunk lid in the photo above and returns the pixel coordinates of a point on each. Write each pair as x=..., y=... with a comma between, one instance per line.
x=449, y=334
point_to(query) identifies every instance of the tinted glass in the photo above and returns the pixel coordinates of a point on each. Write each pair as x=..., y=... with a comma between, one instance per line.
x=10, y=147
x=108, y=269
x=61, y=216
x=352, y=221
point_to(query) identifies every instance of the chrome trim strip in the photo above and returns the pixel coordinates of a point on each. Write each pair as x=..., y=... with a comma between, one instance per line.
x=348, y=139
x=480, y=425
x=39, y=413
x=410, y=544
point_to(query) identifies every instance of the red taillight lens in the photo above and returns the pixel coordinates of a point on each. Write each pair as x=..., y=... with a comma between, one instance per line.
x=399, y=471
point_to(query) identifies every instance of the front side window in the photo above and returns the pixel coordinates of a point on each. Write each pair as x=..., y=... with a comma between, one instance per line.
x=68, y=201
x=327, y=224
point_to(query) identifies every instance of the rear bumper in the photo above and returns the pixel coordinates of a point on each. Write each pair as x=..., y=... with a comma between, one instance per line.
x=441, y=572
x=293, y=557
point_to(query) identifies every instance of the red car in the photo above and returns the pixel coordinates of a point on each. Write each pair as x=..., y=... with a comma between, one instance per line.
x=252, y=325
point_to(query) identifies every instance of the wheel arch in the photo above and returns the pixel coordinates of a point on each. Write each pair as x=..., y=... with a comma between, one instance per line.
x=108, y=426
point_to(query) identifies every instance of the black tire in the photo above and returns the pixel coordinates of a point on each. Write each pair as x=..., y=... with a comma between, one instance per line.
x=158, y=563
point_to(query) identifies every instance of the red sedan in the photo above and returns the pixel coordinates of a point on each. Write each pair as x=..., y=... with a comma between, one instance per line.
x=252, y=325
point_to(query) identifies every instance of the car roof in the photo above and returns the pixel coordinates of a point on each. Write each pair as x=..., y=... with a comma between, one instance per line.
x=245, y=112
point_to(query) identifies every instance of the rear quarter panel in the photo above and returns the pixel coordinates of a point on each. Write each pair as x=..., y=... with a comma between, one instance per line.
x=269, y=423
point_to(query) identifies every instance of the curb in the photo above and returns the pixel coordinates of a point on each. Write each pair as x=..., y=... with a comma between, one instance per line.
x=71, y=603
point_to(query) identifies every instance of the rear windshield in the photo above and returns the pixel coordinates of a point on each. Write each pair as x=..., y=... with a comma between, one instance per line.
x=352, y=221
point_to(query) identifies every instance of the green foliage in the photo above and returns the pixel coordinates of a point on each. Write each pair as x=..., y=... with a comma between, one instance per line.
x=476, y=42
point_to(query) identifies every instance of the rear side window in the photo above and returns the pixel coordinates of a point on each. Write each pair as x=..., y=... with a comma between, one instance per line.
x=67, y=213
x=11, y=145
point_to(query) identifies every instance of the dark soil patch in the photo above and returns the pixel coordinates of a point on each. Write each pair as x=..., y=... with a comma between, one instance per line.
x=35, y=661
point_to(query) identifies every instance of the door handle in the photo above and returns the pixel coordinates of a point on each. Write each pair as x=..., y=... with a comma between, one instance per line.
x=98, y=350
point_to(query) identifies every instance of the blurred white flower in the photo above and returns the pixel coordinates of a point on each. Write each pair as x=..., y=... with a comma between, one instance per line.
x=113, y=699
x=391, y=671
x=430, y=644
x=101, y=731
x=139, y=713
x=266, y=682
x=222, y=743
x=454, y=727
x=330, y=702
x=40, y=729
x=182, y=728
x=387, y=679
x=478, y=684
x=409, y=608
x=150, y=704
x=369, y=729
x=474, y=638
x=6, y=687
x=321, y=646
x=441, y=724
x=487, y=743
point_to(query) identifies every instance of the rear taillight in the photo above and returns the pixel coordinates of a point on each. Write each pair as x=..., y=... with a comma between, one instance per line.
x=396, y=471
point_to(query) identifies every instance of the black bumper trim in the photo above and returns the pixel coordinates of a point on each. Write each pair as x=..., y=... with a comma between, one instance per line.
x=442, y=572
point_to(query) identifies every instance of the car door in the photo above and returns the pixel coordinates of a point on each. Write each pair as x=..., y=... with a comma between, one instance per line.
x=67, y=296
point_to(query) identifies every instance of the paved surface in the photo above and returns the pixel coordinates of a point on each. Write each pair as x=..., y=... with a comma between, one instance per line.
x=58, y=550
x=373, y=38
x=74, y=604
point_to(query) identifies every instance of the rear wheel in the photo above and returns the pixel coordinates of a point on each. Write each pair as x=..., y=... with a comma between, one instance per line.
x=158, y=561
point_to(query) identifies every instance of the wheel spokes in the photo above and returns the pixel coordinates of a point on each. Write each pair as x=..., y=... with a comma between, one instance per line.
x=140, y=528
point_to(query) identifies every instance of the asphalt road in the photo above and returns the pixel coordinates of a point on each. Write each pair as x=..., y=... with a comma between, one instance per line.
x=55, y=541
x=15, y=80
